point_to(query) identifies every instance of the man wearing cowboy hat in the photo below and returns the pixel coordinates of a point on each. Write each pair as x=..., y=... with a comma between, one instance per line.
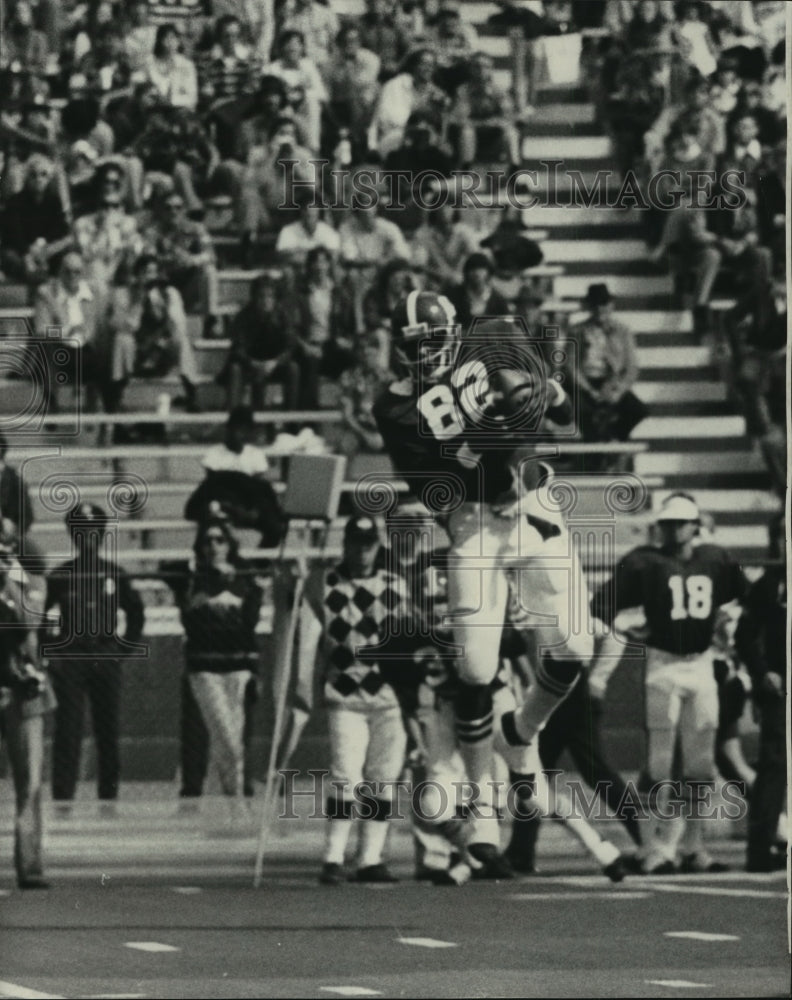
x=678, y=587
x=606, y=369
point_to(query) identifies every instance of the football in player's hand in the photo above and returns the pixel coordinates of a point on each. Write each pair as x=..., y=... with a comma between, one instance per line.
x=514, y=388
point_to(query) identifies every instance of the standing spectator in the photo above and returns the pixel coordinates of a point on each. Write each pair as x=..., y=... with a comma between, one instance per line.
x=454, y=42
x=695, y=42
x=26, y=696
x=352, y=84
x=358, y=604
x=762, y=645
x=475, y=296
x=605, y=370
x=108, y=238
x=268, y=107
x=88, y=590
x=34, y=223
x=413, y=89
x=263, y=346
x=172, y=73
x=72, y=305
x=696, y=108
x=220, y=613
x=299, y=72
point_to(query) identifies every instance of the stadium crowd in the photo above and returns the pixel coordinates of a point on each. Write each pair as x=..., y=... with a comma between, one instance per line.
x=127, y=128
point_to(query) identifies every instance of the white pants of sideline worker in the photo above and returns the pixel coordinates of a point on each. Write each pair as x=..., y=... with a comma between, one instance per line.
x=221, y=699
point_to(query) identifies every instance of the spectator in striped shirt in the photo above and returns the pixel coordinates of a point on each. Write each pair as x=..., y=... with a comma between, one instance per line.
x=232, y=69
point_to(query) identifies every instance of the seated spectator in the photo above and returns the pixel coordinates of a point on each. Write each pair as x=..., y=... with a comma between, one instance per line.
x=352, y=84
x=443, y=242
x=108, y=238
x=22, y=43
x=726, y=86
x=172, y=73
x=695, y=42
x=253, y=131
x=454, y=42
x=94, y=18
x=638, y=97
x=360, y=387
x=475, y=296
x=297, y=239
x=185, y=254
x=484, y=115
x=232, y=68
x=367, y=239
x=604, y=372
x=103, y=68
x=263, y=346
x=697, y=110
x=393, y=283
x=770, y=128
x=263, y=189
x=34, y=223
x=744, y=151
x=696, y=257
x=316, y=22
x=236, y=485
x=300, y=73
x=326, y=326
x=69, y=303
x=421, y=148
x=140, y=37
x=381, y=32
x=80, y=175
x=649, y=28
x=412, y=90
x=147, y=322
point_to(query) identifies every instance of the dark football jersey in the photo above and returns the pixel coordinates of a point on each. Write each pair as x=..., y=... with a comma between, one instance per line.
x=679, y=597
x=454, y=437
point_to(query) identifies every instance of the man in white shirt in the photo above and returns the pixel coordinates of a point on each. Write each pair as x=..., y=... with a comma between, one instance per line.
x=297, y=238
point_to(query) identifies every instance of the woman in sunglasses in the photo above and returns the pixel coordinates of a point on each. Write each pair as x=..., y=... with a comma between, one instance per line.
x=220, y=611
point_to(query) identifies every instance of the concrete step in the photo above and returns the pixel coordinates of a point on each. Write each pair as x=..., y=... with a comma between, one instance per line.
x=562, y=114
x=733, y=462
x=662, y=339
x=620, y=285
x=566, y=93
x=691, y=427
x=671, y=358
x=599, y=251
x=680, y=392
x=579, y=215
x=567, y=148
x=754, y=502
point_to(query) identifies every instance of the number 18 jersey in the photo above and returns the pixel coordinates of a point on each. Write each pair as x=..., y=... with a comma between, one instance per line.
x=679, y=597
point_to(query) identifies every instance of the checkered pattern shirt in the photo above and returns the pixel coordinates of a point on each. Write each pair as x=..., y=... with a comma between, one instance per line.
x=359, y=614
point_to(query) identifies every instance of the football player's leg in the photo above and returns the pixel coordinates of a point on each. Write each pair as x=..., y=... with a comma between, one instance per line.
x=349, y=737
x=697, y=727
x=387, y=743
x=554, y=606
x=477, y=604
x=663, y=708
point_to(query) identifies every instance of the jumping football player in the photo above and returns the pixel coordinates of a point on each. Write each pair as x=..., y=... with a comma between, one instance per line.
x=679, y=587
x=452, y=426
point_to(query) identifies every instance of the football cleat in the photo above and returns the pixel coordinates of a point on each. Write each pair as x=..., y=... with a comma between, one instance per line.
x=701, y=864
x=616, y=870
x=331, y=874
x=494, y=865
x=664, y=868
x=374, y=873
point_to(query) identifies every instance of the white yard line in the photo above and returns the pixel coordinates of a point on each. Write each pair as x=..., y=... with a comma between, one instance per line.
x=678, y=984
x=702, y=936
x=425, y=942
x=712, y=890
x=12, y=990
x=561, y=896
x=150, y=946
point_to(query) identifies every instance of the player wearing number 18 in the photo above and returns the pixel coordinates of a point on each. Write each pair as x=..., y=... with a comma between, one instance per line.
x=679, y=586
x=452, y=426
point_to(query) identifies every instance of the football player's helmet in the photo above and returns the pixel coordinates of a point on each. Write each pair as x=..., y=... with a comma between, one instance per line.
x=425, y=337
